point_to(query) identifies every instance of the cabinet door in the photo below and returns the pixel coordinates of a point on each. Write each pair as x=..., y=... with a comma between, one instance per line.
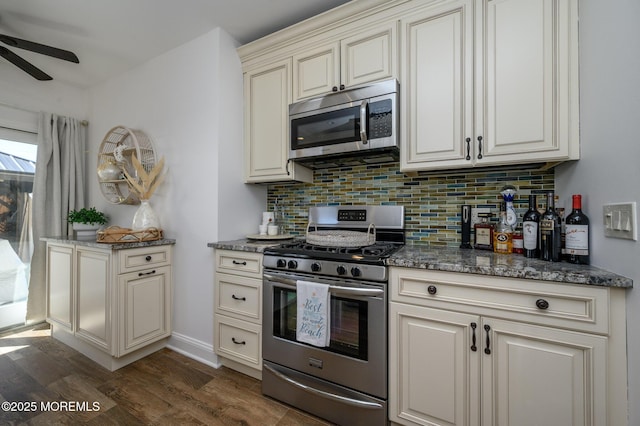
x=316, y=71
x=267, y=94
x=60, y=277
x=437, y=87
x=524, y=81
x=145, y=308
x=543, y=376
x=93, y=306
x=434, y=373
x=368, y=56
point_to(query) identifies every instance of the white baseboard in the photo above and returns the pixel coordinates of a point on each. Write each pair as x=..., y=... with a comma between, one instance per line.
x=194, y=349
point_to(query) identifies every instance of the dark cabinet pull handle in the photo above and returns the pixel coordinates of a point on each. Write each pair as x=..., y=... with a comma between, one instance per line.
x=473, y=337
x=334, y=89
x=235, y=262
x=487, y=350
x=148, y=258
x=234, y=297
x=542, y=304
x=286, y=166
x=432, y=289
x=233, y=339
x=342, y=87
x=479, y=147
x=142, y=274
x=468, y=157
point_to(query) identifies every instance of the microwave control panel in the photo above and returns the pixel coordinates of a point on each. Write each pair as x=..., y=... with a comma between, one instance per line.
x=380, y=119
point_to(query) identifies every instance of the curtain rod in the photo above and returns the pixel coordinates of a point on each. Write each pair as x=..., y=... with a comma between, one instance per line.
x=82, y=122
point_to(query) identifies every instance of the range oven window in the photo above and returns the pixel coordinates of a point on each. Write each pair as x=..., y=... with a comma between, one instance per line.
x=327, y=128
x=348, y=322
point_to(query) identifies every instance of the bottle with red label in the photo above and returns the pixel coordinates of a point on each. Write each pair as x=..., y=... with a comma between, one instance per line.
x=577, y=234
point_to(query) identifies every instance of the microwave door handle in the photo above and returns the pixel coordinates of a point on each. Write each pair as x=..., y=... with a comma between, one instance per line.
x=363, y=122
x=333, y=289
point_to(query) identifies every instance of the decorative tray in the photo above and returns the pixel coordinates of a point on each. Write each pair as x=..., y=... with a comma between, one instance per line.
x=270, y=237
x=116, y=234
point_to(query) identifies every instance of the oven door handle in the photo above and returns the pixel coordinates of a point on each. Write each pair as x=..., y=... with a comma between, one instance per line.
x=334, y=289
x=324, y=394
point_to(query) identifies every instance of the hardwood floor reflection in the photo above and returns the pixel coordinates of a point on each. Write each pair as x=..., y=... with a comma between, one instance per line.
x=165, y=388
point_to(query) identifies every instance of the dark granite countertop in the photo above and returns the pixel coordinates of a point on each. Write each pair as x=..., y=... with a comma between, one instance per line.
x=91, y=242
x=482, y=262
x=245, y=244
x=473, y=261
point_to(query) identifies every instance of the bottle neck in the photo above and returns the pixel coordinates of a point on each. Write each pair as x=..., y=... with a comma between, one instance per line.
x=577, y=202
x=532, y=202
x=550, y=202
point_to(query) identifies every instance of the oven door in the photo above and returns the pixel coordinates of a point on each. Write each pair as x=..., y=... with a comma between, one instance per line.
x=356, y=357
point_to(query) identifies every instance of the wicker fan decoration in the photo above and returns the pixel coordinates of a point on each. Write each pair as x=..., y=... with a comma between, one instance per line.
x=145, y=184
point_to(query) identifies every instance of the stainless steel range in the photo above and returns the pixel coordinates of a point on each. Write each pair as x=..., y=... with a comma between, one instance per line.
x=345, y=380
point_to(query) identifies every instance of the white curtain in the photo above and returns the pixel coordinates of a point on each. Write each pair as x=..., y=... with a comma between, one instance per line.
x=58, y=188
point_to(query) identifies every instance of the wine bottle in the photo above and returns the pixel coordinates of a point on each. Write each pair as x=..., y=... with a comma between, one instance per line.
x=531, y=235
x=577, y=234
x=550, y=243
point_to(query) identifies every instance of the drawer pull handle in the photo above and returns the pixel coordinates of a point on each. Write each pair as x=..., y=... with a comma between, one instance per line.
x=233, y=339
x=234, y=297
x=487, y=350
x=235, y=262
x=473, y=337
x=432, y=289
x=542, y=304
x=148, y=258
x=142, y=274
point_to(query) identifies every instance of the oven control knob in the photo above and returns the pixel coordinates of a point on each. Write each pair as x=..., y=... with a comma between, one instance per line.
x=281, y=263
x=315, y=267
x=355, y=271
x=292, y=264
x=341, y=270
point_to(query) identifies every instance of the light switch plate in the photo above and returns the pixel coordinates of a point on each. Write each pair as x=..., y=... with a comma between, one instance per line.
x=620, y=220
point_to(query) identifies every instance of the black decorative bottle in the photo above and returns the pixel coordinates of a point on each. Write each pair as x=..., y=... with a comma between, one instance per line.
x=550, y=232
x=577, y=234
x=530, y=231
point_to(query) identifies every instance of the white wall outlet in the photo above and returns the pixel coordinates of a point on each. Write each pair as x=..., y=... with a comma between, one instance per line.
x=474, y=214
x=620, y=221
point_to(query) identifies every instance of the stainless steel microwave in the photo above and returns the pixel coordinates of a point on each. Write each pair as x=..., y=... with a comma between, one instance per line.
x=362, y=121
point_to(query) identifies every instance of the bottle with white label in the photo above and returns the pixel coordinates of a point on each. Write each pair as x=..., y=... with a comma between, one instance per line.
x=530, y=234
x=577, y=234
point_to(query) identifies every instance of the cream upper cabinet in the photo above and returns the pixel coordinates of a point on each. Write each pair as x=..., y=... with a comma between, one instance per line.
x=515, y=103
x=267, y=95
x=362, y=58
x=478, y=350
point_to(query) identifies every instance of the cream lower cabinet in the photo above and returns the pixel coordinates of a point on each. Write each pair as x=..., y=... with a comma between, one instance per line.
x=238, y=311
x=476, y=350
x=488, y=83
x=112, y=305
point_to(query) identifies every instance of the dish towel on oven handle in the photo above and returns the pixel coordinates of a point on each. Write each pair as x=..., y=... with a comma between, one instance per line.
x=313, y=316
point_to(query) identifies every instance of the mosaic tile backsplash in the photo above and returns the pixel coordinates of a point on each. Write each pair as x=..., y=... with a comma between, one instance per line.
x=432, y=202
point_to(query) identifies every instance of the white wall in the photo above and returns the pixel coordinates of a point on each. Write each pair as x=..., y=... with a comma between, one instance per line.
x=609, y=167
x=189, y=101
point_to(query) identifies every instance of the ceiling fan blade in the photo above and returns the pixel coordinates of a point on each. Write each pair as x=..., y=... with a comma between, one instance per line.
x=29, y=68
x=39, y=48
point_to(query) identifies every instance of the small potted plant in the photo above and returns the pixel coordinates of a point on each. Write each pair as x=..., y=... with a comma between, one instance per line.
x=86, y=221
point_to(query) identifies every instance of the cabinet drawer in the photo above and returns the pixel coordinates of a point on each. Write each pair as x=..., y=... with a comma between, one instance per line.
x=239, y=263
x=238, y=340
x=569, y=306
x=239, y=297
x=144, y=257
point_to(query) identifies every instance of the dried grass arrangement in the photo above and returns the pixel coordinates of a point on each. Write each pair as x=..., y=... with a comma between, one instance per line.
x=145, y=184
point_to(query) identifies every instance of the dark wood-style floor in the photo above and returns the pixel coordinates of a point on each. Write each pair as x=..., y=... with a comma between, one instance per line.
x=165, y=388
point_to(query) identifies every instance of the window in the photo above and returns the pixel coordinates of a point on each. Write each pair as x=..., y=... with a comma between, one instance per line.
x=17, y=170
